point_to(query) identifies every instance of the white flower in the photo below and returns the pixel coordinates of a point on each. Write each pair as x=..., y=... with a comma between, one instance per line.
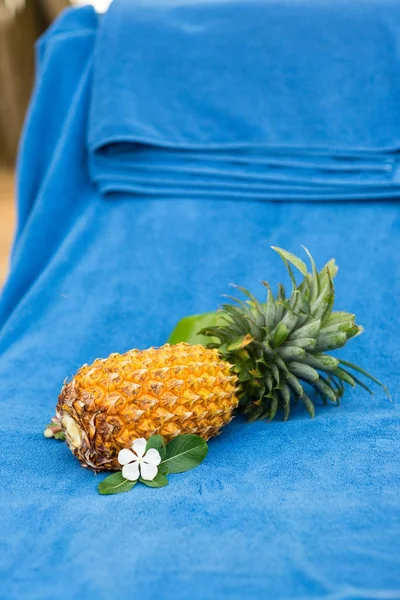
x=139, y=462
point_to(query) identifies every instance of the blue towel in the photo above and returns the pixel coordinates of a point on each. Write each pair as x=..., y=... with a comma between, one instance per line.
x=307, y=509
x=305, y=94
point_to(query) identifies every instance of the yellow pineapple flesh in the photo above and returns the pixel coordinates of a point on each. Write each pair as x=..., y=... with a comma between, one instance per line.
x=169, y=390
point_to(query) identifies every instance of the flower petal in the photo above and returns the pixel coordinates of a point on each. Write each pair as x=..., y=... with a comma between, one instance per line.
x=152, y=457
x=131, y=471
x=126, y=456
x=148, y=472
x=139, y=446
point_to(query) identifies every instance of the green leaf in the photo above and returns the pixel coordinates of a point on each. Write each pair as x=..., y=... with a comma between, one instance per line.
x=313, y=279
x=187, y=330
x=292, y=258
x=284, y=391
x=354, y=379
x=362, y=384
x=311, y=329
x=163, y=469
x=285, y=394
x=345, y=376
x=275, y=373
x=345, y=326
x=253, y=300
x=280, y=303
x=280, y=334
x=309, y=405
x=339, y=317
x=254, y=412
x=290, y=352
x=354, y=331
x=157, y=442
x=363, y=372
x=242, y=306
x=281, y=364
x=286, y=411
x=338, y=385
x=115, y=484
x=325, y=388
x=270, y=309
x=329, y=270
x=330, y=341
x=295, y=384
x=239, y=343
x=323, y=301
x=290, y=319
x=303, y=371
x=303, y=342
x=159, y=480
x=324, y=362
x=274, y=405
x=185, y=452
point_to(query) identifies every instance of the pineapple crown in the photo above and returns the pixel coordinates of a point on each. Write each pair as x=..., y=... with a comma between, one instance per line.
x=278, y=349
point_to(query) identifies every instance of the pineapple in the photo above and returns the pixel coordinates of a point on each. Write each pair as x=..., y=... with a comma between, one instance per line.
x=168, y=390
x=259, y=357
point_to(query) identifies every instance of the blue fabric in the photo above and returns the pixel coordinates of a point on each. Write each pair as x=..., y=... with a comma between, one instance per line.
x=302, y=510
x=329, y=127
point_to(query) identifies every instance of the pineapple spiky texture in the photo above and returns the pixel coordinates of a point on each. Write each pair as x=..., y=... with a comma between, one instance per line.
x=169, y=391
x=260, y=357
x=278, y=349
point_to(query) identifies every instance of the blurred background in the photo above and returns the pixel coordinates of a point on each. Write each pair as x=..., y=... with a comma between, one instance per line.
x=21, y=23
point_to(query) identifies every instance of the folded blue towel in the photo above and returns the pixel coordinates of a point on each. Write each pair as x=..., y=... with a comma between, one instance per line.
x=304, y=510
x=304, y=93
x=283, y=74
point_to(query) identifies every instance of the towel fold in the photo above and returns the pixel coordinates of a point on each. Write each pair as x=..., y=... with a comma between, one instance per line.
x=260, y=100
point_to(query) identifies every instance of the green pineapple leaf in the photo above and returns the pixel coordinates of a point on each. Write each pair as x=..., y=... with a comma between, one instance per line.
x=364, y=372
x=278, y=346
x=289, y=257
x=280, y=334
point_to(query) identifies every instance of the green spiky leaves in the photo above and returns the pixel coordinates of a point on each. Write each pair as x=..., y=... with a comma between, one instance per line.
x=278, y=349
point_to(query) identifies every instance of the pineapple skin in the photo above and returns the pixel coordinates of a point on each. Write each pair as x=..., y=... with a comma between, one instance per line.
x=169, y=390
